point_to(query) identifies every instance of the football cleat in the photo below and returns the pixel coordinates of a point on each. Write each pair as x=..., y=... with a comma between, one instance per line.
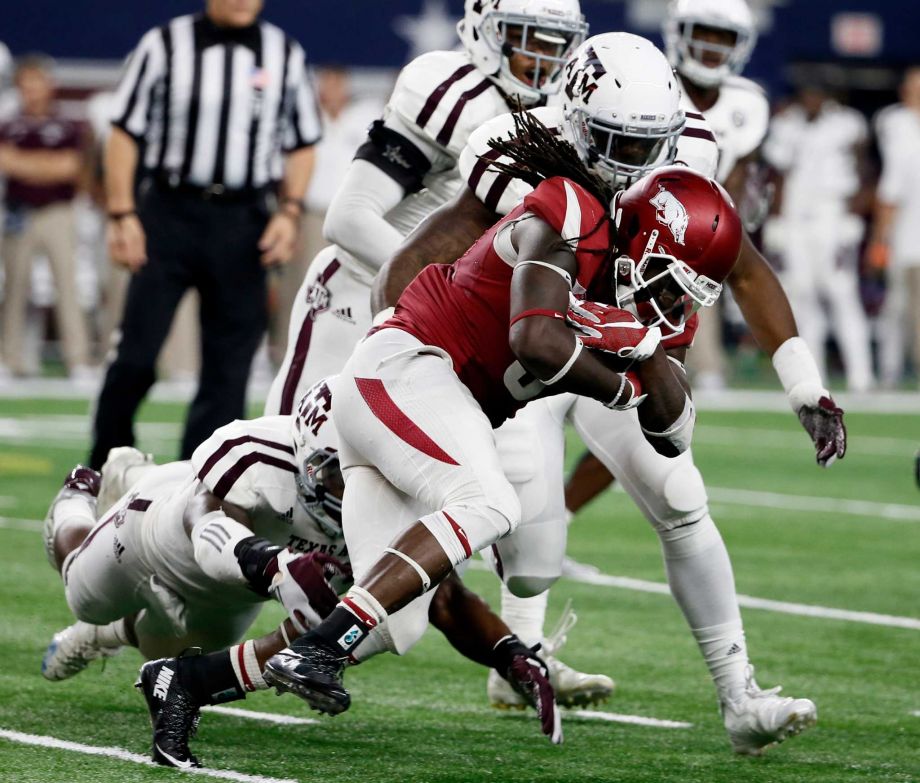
x=80, y=480
x=174, y=714
x=71, y=651
x=312, y=670
x=762, y=718
x=114, y=473
x=572, y=687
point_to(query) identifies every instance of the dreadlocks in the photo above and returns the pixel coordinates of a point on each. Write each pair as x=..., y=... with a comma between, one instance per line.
x=537, y=154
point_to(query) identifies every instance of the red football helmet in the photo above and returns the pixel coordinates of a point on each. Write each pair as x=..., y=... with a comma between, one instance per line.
x=678, y=237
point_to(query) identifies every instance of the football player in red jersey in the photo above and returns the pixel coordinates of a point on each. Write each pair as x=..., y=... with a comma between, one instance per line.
x=469, y=345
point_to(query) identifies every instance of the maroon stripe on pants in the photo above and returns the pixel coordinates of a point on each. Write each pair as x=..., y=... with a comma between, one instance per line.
x=302, y=346
x=448, y=130
x=230, y=477
x=435, y=98
x=227, y=445
x=139, y=504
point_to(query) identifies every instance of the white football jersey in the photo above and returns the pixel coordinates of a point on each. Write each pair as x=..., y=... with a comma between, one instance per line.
x=816, y=157
x=439, y=99
x=696, y=148
x=739, y=120
x=251, y=463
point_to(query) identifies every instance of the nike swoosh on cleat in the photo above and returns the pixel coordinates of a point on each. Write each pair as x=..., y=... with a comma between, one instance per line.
x=175, y=762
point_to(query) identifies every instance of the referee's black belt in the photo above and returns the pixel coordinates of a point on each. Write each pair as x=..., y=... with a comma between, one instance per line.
x=215, y=193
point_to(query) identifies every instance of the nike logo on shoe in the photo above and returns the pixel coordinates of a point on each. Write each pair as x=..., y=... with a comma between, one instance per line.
x=187, y=764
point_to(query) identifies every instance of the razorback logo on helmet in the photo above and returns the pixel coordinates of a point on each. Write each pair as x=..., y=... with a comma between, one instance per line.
x=582, y=75
x=671, y=213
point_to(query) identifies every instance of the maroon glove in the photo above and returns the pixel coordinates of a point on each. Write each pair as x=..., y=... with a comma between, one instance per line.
x=301, y=586
x=84, y=479
x=529, y=676
x=824, y=423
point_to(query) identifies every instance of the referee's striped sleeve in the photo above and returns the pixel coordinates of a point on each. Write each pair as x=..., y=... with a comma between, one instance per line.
x=145, y=67
x=303, y=125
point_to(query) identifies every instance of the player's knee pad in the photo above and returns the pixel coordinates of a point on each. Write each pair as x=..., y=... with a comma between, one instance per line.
x=690, y=539
x=683, y=494
x=462, y=530
x=529, y=586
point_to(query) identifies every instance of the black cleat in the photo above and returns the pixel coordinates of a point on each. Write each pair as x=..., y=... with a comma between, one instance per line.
x=174, y=714
x=312, y=670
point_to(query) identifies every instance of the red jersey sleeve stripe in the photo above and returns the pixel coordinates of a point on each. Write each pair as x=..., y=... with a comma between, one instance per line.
x=385, y=409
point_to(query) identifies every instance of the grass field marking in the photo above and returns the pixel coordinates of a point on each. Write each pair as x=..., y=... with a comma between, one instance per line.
x=124, y=755
x=14, y=523
x=747, y=601
x=916, y=713
x=874, y=445
x=269, y=717
x=860, y=508
x=7, y=500
x=635, y=720
x=661, y=588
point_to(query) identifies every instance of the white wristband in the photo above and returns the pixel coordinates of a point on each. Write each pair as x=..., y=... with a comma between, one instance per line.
x=383, y=315
x=799, y=374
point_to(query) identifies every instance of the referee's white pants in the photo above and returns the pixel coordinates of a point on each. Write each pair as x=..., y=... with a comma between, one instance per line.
x=331, y=313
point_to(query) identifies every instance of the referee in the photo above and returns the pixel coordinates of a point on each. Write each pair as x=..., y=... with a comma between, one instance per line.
x=214, y=120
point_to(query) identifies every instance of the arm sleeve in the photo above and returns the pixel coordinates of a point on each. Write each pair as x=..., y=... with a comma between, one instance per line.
x=355, y=219
x=302, y=124
x=145, y=68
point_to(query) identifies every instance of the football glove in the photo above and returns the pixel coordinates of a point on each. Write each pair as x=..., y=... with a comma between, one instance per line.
x=301, y=586
x=612, y=330
x=527, y=674
x=824, y=424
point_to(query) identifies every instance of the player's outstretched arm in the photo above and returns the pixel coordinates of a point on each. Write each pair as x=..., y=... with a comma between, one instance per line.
x=441, y=238
x=766, y=309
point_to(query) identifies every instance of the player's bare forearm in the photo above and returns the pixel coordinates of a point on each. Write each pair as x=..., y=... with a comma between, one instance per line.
x=466, y=621
x=441, y=238
x=762, y=300
x=666, y=396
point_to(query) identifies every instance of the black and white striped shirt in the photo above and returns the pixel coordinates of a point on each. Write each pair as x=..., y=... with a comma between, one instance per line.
x=217, y=106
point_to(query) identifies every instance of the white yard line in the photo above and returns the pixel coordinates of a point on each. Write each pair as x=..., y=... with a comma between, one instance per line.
x=806, y=503
x=874, y=445
x=269, y=717
x=124, y=755
x=646, y=586
x=636, y=720
x=915, y=713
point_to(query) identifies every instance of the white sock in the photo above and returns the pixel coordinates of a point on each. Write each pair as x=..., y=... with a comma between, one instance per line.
x=525, y=616
x=75, y=506
x=703, y=584
x=246, y=667
x=112, y=635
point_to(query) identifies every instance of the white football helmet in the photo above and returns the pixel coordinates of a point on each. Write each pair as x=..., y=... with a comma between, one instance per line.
x=687, y=53
x=622, y=106
x=319, y=479
x=546, y=31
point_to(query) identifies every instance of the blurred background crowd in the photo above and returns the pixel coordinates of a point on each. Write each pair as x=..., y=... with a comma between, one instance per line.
x=841, y=164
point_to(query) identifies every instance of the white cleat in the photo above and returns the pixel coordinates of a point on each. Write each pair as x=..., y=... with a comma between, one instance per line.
x=760, y=719
x=573, y=688
x=114, y=474
x=71, y=651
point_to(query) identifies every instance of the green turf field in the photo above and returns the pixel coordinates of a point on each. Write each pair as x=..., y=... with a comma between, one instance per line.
x=794, y=538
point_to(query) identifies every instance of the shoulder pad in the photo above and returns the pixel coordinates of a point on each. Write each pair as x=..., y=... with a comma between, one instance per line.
x=242, y=458
x=566, y=206
x=445, y=98
x=499, y=192
x=696, y=147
